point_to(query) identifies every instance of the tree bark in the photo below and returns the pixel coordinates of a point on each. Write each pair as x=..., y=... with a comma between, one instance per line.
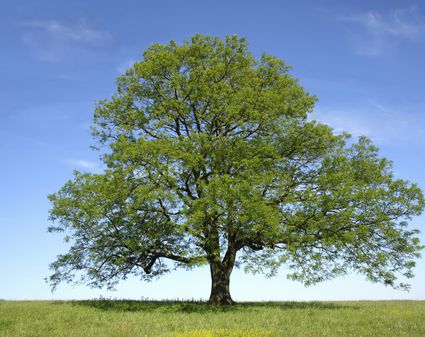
x=220, y=284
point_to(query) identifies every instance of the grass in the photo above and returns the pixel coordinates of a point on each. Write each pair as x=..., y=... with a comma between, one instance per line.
x=196, y=319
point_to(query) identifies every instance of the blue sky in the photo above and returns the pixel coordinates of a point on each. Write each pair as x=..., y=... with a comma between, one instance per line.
x=364, y=60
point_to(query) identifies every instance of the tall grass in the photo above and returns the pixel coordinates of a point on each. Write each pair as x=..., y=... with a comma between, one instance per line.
x=196, y=319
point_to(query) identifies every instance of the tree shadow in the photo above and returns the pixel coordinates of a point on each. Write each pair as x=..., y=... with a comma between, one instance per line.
x=201, y=306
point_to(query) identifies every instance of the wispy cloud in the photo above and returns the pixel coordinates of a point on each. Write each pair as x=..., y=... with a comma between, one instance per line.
x=382, y=32
x=85, y=164
x=54, y=41
x=125, y=65
x=397, y=126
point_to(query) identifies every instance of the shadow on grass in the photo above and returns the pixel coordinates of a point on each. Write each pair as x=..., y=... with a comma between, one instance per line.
x=199, y=306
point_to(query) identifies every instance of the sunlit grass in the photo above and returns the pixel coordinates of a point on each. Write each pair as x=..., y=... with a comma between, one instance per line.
x=196, y=319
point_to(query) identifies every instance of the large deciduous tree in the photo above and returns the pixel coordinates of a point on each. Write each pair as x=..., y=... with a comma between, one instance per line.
x=210, y=158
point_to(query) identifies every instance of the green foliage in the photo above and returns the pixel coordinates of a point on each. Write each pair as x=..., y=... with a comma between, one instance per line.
x=211, y=159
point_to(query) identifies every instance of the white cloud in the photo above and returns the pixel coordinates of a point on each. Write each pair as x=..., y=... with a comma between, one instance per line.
x=397, y=126
x=123, y=66
x=85, y=164
x=382, y=33
x=54, y=41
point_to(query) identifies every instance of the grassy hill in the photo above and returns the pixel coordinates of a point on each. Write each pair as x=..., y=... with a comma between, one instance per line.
x=191, y=319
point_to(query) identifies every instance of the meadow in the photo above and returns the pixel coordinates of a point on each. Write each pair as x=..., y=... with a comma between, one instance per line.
x=121, y=318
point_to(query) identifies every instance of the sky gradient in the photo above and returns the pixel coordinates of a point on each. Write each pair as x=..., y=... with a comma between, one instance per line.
x=364, y=60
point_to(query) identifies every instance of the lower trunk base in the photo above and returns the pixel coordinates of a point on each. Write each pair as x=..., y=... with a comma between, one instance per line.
x=220, y=283
x=221, y=299
x=220, y=288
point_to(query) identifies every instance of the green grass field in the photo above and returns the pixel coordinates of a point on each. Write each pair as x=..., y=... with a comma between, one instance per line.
x=191, y=319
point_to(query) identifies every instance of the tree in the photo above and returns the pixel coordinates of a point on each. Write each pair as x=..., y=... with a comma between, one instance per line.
x=211, y=159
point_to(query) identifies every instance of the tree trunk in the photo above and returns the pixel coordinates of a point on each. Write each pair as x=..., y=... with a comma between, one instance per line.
x=220, y=282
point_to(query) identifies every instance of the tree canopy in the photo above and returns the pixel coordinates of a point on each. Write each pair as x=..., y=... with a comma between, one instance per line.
x=211, y=159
